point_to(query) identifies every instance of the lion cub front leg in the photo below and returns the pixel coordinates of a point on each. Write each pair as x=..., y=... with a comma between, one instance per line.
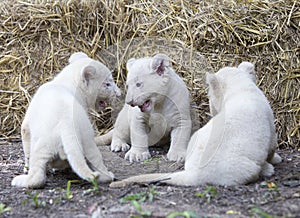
x=139, y=141
x=119, y=143
x=179, y=140
x=120, y=133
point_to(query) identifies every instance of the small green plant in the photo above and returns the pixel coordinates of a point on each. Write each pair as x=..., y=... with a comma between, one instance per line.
x=69, y=195
x=261, y=213
x=141, y=196
x=138, y=207
x=3, y=208
x=95, y=184
x=186, y=214
x=35, y=199
x=95, y=188
x=209, y=193
x=138, y=198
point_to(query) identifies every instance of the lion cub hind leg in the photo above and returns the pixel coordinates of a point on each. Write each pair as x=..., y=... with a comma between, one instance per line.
x=240, y=171
x=25, y=133
x=104, y=139
x=37, y=169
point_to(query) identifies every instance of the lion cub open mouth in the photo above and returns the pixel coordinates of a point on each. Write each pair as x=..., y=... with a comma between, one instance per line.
x=101, y=105
x=146, y=107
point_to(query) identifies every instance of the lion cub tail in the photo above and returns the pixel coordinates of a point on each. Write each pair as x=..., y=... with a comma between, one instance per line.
x=182, y=178
x=104, y=139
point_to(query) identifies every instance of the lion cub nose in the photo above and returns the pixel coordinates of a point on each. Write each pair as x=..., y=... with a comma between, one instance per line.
x=130, y=102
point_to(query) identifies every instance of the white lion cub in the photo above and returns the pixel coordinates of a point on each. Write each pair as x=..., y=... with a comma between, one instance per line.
x=157, y=107
x=237, y=144
x=56, y=128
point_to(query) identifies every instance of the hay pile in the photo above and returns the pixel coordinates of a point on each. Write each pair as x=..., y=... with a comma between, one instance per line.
x=37, y=37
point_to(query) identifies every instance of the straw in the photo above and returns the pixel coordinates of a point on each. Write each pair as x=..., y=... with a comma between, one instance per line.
x=37, y=38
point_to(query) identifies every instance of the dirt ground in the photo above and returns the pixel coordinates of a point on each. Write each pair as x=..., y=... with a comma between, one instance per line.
x=278, y=196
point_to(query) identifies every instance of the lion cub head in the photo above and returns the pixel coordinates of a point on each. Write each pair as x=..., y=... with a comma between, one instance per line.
x=228, y=81
x=94, y=81
x=147, y=81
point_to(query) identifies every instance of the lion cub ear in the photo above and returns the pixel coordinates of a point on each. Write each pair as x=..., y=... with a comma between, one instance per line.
x=76, y=56
x=248, y=67
x=159, y=63
x=214, y=84
x=130, y=63
x=88, y=73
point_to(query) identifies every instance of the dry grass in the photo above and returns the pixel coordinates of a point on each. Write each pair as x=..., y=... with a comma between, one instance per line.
x=37, y=37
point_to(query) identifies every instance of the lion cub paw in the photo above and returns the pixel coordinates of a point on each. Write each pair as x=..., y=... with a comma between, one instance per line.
x=178, y=156
x=136, y=156
x=119, y=146
x=25, y=181
x=20, y=181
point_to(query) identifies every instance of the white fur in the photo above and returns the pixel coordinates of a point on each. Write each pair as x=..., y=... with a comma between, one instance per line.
x=157, y=104
x=237, y=144
x=56, y=128
x=76, y=56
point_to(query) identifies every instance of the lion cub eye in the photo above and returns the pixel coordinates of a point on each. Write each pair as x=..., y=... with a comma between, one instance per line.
x=138, y=84
x=108, y=84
